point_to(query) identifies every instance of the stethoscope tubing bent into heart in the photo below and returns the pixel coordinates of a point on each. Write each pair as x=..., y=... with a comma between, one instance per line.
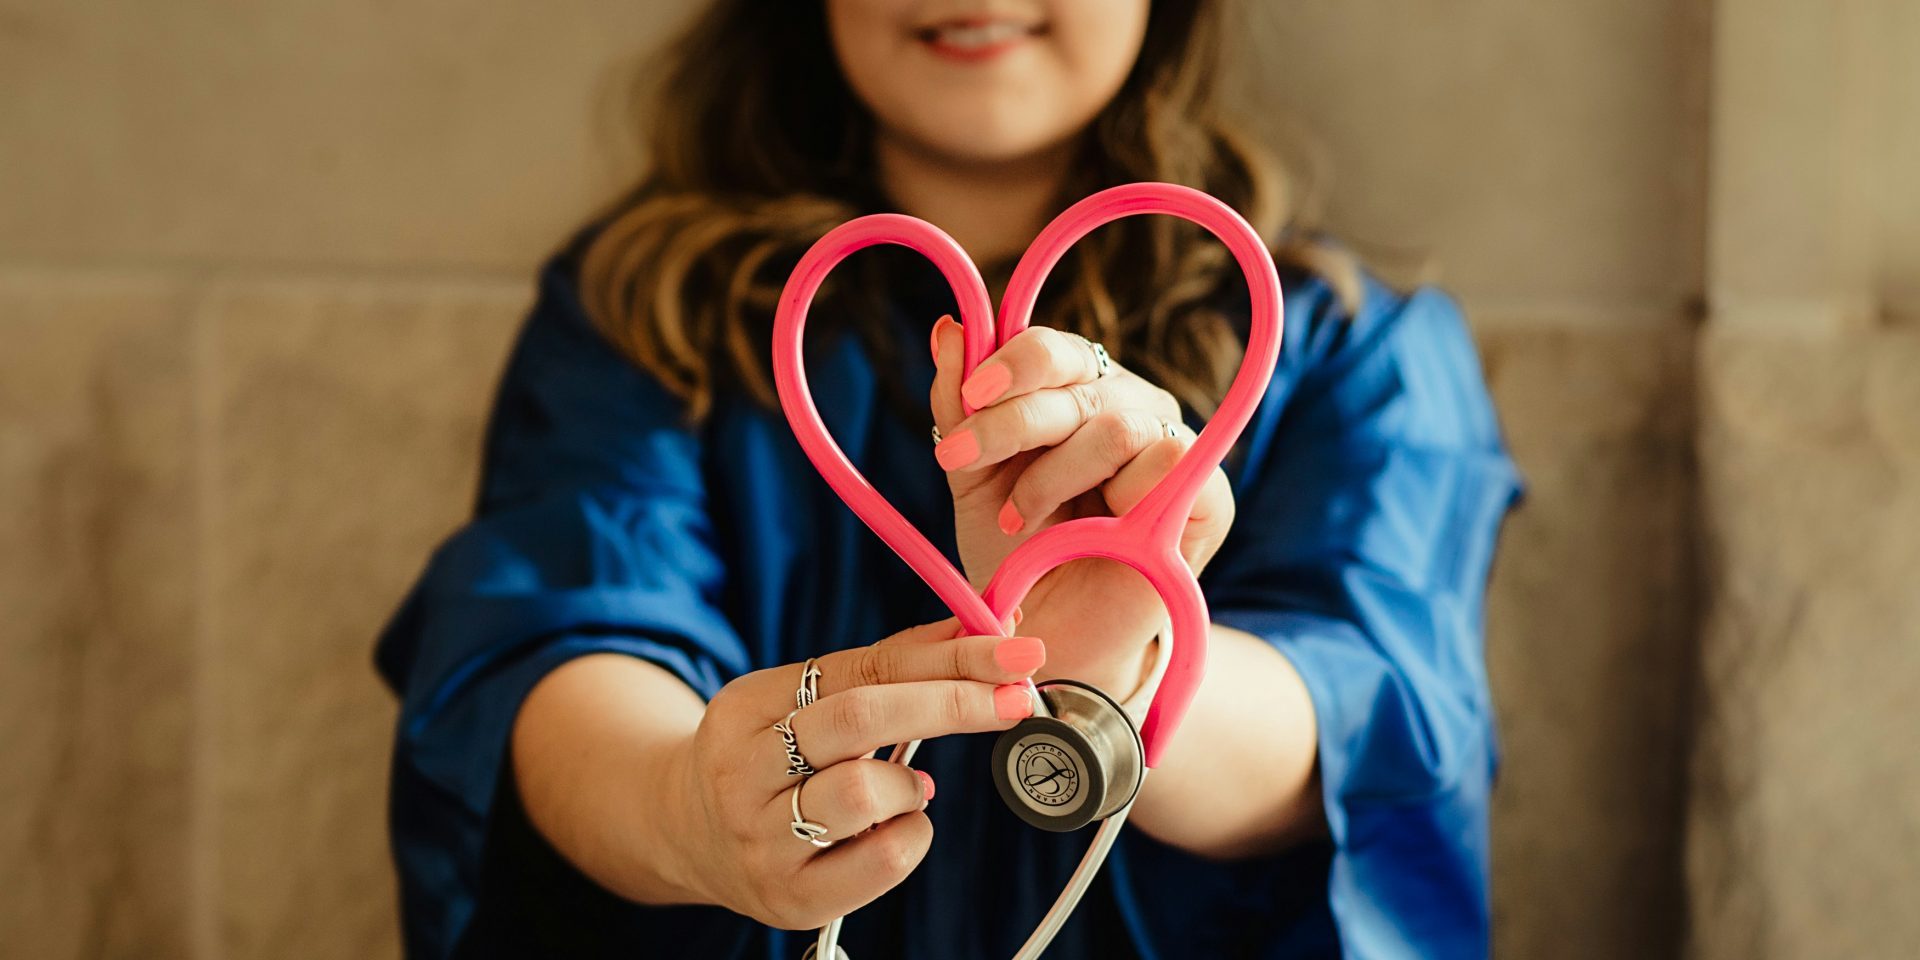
x=1093, y=757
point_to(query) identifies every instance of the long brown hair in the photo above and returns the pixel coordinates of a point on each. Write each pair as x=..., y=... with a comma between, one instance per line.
x=758, y=147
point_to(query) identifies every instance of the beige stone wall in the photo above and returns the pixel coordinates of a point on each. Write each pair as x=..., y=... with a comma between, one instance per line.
x=259, y=264
x=1804, y=824
x=1546, y=162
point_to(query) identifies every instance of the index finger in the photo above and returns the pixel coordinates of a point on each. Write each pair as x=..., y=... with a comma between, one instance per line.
x=929, y=651
x=858, y=721
x=995, y=660
x=1035, y=359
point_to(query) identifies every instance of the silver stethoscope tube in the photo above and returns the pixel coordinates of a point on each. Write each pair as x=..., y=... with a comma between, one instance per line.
x=827, y=944
x=1083, y=875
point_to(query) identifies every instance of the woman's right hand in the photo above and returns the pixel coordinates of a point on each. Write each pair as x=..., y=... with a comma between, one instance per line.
x=733, y=815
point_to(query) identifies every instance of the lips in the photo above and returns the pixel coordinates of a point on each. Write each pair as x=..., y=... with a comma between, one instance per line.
x=973, y=40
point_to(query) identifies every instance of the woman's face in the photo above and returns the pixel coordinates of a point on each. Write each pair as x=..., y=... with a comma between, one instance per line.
x=975, y=81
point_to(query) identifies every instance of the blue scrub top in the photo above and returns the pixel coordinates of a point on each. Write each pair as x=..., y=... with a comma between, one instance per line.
x=1371, y=486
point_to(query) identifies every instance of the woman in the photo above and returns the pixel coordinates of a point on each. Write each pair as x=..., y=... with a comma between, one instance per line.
x=586, y=764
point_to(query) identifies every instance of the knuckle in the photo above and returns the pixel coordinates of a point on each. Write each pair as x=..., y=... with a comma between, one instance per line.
x=1078, y=350
x=1026, y=415
x=859, y=793
x=872, y=667
x=780, y=905
x=959, y=659
x=1020, y=354
x=958, y=703
x=1088, y=400
x=1041, y=338
x=1162, y=453
x=1040, y=489
x=856, y=713
x=1117, y=434
x=1058, y=346
x=1027, y=492
x=897, y=854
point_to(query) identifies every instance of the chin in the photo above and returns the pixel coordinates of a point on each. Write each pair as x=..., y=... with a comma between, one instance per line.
x=988, y=139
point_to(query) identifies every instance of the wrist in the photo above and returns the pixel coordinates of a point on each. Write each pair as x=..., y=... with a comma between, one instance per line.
x=668, y=822
x=1135, y=700
x=1121, y=676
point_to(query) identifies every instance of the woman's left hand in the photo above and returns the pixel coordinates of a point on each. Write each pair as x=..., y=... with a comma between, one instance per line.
x=1052, y=439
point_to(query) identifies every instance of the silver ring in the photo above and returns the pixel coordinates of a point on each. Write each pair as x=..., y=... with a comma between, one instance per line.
x=804, y=829
x=1172, y=434
x=1103, y=364
x=809, y=684
x=936, y=435
x=797, y=765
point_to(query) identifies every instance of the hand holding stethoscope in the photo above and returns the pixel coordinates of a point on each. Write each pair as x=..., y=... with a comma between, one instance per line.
x=1066, y=432
x=735, y=794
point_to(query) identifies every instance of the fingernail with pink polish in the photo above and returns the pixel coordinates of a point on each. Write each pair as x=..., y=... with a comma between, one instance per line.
x=957, y=451
x=986, y=385
x=934, y=343
x=926, y=785
x=1011, y=702
x=1010, y=519
x=1020, y=654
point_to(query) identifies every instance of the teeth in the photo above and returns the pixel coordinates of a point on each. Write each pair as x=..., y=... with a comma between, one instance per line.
x=980, y=36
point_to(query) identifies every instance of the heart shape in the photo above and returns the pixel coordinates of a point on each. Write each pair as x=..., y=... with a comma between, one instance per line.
x=1147, y=538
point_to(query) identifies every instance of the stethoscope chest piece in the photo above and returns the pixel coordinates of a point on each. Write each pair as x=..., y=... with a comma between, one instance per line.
x=1083, y=763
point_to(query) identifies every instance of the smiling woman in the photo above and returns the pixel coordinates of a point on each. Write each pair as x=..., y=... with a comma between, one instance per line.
x=960, y=86
x=643, y=687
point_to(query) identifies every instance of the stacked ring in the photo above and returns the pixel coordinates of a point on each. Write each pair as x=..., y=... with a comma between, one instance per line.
x=797, y=765
x=803, y=828
x=809, y=690
x=1102, y=364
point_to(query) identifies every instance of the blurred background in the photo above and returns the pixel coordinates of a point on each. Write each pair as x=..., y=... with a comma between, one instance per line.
x=260, y=262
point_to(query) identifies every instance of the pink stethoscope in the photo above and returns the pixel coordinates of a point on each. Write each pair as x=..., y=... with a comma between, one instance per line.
x=1079, y=758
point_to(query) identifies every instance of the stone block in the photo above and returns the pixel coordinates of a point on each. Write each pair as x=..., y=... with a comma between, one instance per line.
x=98, y=580
x=1805, y=792
x=348, y=426
x=1538, y=153
x=1590, y=640
x=363, y=132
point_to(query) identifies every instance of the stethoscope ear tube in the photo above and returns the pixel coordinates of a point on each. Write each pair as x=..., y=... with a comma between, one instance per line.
x=827, y=942
x=1063, y=906
x=1075, y=735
